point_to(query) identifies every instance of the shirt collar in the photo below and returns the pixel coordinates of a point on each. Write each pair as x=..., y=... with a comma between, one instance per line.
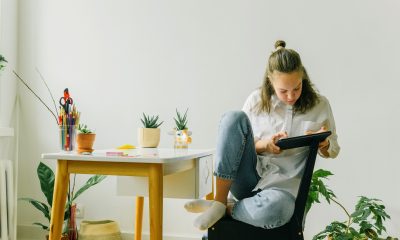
x=275, y=102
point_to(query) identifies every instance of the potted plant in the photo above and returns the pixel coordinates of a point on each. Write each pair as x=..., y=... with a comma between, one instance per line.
x=85, y=139
x=46, y=177
x=366, y=222
x=181, y=132
x=149, y=135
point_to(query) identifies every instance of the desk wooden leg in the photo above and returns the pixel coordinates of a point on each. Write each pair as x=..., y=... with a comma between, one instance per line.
x=59, y=199
x=139, y=217
x=156, y=201
x=210, y=196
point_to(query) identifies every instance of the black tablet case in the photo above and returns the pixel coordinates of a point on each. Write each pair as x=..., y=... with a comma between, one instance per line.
x=301, y=141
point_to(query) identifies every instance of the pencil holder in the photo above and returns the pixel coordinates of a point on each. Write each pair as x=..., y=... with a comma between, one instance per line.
x=67, y=137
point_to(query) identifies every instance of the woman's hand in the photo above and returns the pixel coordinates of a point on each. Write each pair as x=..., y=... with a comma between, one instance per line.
x=268, y=145
x=324, y=145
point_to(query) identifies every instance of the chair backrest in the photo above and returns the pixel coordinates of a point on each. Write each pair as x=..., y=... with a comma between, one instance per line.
x=298, y=217
x=229, y=229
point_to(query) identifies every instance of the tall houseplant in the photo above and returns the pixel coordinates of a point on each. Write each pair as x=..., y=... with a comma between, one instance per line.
x=46, y=177
x=366, y=222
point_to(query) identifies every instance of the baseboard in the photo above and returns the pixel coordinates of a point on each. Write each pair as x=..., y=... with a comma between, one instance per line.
x=30, y=232
x=130, y=236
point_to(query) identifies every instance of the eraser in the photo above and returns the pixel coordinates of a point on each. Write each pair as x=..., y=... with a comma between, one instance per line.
x=115, y=154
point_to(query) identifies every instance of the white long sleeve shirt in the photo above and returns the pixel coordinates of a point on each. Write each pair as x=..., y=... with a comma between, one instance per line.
x=284, y=170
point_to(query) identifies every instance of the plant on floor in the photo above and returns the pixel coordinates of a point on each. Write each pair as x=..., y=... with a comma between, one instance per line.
x=366, y=222
x=46, y=177
x=150, y=121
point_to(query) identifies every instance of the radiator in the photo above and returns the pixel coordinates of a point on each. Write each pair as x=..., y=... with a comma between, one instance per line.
x=6, y=200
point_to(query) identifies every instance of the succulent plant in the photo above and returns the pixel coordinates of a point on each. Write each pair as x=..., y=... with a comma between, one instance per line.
x=150, y=121
x=181, y=121
x=82, y=128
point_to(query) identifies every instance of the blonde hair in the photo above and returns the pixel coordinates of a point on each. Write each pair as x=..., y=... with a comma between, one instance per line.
x=287, y=61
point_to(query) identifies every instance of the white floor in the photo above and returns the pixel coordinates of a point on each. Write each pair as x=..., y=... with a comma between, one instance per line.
x=31, y=232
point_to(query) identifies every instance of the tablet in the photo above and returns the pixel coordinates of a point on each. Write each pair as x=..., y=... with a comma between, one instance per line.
x=301, y=141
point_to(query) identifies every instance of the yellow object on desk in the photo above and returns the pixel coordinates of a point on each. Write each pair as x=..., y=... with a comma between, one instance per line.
x=126, y=146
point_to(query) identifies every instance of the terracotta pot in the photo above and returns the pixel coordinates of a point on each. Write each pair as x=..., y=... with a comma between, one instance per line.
x=85, y=142
x=149, y=137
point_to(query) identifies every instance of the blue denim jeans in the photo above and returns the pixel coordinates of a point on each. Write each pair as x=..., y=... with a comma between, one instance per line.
x=236, y=160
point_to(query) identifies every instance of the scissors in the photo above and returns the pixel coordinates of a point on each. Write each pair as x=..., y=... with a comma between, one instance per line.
x=66, y=100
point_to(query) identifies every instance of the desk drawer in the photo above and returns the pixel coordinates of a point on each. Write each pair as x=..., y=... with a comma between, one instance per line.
x=192, y=181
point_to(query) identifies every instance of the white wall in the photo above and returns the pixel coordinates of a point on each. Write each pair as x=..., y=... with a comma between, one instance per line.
x=8, y=48
x=8, y=89
x=122, y=58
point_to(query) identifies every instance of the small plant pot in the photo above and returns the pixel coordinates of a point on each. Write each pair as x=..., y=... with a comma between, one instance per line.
x=149, y=137
x=85, y=142
x=182, y=138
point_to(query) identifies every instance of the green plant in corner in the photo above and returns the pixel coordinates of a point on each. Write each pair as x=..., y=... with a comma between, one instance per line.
x=83, y=128
x=318, y=188
x=366, y=222
x=46, y=177
x=2, y=62
x=181, y=120
x=150, y=121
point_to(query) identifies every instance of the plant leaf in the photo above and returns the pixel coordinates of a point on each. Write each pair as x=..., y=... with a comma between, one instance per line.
x=45, y=227
x=43, y=207
x=46, y=178
x=318, y=187
x=89, y=183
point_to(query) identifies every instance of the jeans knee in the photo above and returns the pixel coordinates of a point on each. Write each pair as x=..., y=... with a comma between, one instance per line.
x=233, y=119
x=269, y=209
x=277, y=214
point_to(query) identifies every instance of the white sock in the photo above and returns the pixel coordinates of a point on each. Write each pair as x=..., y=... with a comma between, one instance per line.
x=215, y=212
x=198, y=205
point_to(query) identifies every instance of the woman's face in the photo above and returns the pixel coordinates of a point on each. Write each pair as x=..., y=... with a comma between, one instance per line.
x=287, y=86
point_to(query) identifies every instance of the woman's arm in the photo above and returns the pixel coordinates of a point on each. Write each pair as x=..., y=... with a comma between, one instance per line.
x=268, y=145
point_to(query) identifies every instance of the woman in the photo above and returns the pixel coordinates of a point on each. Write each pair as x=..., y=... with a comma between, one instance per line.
x=262, y=178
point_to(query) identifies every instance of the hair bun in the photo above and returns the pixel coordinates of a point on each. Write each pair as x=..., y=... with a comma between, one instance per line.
x=280, y=44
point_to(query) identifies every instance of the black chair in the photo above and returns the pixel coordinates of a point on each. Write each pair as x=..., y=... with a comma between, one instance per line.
x=230, y=229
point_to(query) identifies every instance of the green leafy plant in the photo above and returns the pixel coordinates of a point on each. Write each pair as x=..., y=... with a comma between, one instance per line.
x=2, y=62
x=83, y=128
x=181, y=120
x=366, y=222
x=46, y=177
x=150, y=121
x=318, y=188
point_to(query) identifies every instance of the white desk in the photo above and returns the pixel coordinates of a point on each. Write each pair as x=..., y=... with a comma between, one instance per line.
x=152, y=163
